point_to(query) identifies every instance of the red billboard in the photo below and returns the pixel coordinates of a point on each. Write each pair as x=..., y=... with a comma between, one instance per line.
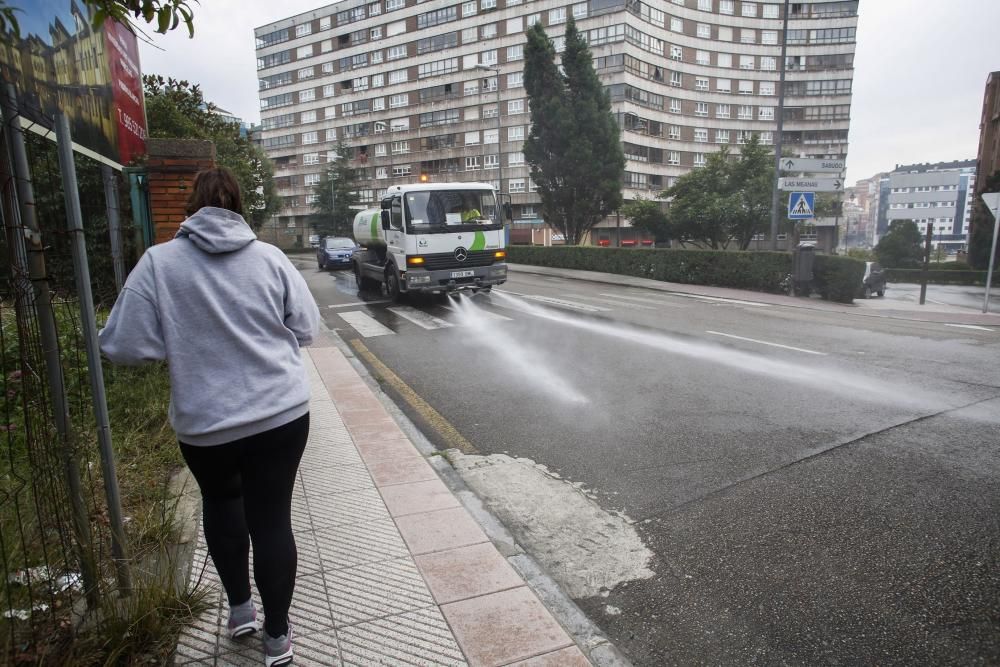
x=60, y=63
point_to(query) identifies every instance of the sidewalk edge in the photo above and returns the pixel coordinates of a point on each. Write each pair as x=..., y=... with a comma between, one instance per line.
x=584, y=632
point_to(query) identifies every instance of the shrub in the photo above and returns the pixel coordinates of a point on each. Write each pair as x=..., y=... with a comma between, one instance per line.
x=837, y=278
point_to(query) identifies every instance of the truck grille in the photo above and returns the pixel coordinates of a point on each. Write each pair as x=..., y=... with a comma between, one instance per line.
x=447, y=260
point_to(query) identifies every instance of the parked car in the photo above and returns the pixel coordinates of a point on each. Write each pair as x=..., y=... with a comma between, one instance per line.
x=335, y=251
x=873, y=281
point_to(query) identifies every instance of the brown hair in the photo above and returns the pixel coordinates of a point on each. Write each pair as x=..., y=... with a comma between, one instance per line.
x=215, y=187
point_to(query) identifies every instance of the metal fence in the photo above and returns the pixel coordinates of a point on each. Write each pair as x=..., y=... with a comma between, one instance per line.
x=56, y=534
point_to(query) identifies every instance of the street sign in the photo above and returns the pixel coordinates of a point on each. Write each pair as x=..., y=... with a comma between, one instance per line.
x=811, y=184
x=800, y=205
x=812, y=166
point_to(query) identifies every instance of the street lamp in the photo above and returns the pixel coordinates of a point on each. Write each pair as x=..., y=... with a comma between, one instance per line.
x=496, y=71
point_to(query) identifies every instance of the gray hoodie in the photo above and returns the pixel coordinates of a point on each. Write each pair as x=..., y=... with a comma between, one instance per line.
x=229, y=314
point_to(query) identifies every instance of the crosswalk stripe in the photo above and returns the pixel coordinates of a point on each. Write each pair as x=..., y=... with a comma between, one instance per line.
x=366, y=325
x=420, y=318
x=359, y=303
x=560, y=302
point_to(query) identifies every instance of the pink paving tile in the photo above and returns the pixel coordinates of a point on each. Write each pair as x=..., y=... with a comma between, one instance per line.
x=380, y=449
x=401, y=470
x=365, y=415
x=329, y=360
x=459, y=574
x=439, y=531
x=501, y=628
x=386, y=428
x=415, y=497
x=567, y=657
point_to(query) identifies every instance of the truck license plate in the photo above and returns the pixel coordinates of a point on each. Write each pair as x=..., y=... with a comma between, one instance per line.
x=462, y=274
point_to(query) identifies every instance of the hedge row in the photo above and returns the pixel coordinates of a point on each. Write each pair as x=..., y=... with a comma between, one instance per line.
x=941, y=277
x=837, y=278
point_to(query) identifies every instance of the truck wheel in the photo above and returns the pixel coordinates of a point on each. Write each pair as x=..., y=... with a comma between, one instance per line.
x=392, y=283
x=363, y=283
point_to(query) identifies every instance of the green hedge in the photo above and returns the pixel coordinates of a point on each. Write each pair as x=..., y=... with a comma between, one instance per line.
x=837, y=278
x=941, y=277
x=758, y=271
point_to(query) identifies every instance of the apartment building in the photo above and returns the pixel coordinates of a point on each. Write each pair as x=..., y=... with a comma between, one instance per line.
x=988, y=160
x=939, y=195
x=435, y=88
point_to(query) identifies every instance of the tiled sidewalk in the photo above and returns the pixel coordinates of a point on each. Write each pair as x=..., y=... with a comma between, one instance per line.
x=392, y=569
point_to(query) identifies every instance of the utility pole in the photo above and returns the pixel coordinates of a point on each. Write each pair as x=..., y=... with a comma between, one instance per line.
x=781, y=127
x=927, y=263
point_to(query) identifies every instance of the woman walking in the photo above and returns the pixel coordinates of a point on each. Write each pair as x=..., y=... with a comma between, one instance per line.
x=229, y=314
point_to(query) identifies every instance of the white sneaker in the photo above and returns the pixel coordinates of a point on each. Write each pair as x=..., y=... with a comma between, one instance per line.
x=278, y=650
x=241, y=624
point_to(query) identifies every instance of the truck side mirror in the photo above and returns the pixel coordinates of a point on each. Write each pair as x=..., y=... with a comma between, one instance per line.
x=385, y=220
x=508, y=211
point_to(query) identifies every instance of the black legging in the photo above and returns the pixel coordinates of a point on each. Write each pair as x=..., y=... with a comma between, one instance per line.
x=265, y=466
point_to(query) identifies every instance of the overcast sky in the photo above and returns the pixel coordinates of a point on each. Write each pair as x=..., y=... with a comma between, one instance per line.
x=919, y=76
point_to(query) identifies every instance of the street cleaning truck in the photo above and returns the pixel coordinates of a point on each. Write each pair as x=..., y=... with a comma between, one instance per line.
x=433, y=238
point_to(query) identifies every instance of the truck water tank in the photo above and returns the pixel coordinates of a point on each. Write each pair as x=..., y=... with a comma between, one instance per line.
x=368, y=228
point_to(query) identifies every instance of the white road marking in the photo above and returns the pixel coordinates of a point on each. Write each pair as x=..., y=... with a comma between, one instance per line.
x=420, y=318
x=643, y=300
x=365, y=325
x=764, y=342
x=720, y=299
x=970, y=326
x=359, y=303
x=561, y=302
x=489, y=314
x=614, y=302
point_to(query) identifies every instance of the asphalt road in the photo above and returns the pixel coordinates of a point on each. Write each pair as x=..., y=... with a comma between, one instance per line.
x=815, y=487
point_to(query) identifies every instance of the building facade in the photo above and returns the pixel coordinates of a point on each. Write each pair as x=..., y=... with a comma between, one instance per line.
x=937, y=194
x=435, y=89
x=988, y=159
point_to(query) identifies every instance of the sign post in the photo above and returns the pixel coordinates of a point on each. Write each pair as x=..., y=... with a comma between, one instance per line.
x=992, y=200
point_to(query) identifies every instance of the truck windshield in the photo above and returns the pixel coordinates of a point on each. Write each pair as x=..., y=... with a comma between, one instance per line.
x=437, y=211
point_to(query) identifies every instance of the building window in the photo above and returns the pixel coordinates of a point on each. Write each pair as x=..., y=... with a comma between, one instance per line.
x=765, y=87
x=701, y=135
x=310, y=180
x=674, y=132
x=768, y=63
x=515, y=159
x=747, y=36
x=770, y=11
x=702, y=58
x=327, y=68
x=746, y=62
x=673, y=157
x=307, y=95
x=675, y=79
x=699, y=159
x=396, y=52
x=325, y=23
x=725, y=34
x=580, y=10
x=515, y=80
x=438, y=17
x=491, y=162
x=399, y=124
x=331, y=135
x=726, y=7
x=380, y=150
x=374, y=8
x=746, y=88
x=724, y=59
x=381, y=172
x=676, y=53
x=310, y=137
x=557, y=15
x=745, y=112
x=306, y=73
x=722, y=111
x=308, y=117
x=703, y=5
x=303, y=30
x=401, y=100
x=488, y=4
x=769, y=37
x=304, y=52
x=488, y=31
x=310, y=158
x=472, y=138
x=724, y=85
x=329, y=90
x=533, y=19
x=749, y=9
x=397, y=76
x=527, y=211
x=491, y=137
x=675, y=105
x=701, y=108
x=393, y=5
x=488, y=57
x=471, y=162
x=401, y=170
x=722, y=136
x=765, y=113
x=400, y=147
x=515, y=53
x=515, y=107
x=397, y=28
x=700, y=83
x=469, y=8
x=704, y=31
x=515, y=185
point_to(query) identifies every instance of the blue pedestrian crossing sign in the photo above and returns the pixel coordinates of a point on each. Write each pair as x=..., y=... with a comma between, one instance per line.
x=800, y=205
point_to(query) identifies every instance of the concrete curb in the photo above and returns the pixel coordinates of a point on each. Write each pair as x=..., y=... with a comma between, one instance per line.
x=587, y=636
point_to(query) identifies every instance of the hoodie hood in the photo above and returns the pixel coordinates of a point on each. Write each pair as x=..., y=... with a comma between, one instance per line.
x=216, y=230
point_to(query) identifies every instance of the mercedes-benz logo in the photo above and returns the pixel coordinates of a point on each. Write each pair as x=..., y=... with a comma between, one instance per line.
x=461, y=254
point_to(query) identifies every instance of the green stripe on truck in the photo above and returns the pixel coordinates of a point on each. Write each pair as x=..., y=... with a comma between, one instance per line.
x=479, y=243
x=375, y=220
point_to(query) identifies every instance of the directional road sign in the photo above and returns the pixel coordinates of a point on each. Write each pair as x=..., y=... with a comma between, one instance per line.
x=800, y=205
x=811, y=184
x=812, y=166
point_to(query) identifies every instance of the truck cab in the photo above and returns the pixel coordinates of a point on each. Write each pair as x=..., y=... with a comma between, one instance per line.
x=433, y=238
